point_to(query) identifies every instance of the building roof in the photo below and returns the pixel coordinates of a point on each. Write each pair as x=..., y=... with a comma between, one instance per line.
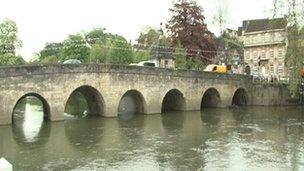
x=263, y=25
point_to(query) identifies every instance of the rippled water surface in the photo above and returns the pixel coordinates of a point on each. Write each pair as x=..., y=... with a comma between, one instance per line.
x=254, y=138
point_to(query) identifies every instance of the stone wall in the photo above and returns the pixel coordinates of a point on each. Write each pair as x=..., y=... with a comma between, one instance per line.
x=272, y=95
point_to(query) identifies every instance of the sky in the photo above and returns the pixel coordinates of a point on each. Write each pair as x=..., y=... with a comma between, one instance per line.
x=41, y=21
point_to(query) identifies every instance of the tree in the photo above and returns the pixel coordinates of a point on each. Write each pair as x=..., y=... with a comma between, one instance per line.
x=187, y=26
x=222, y=16
x=121, y=52
x=100, y=43
x=181, y=58
x=149, y=41
x=96, y=36
x=50, y=59
x=162, y=47
x=9, y=43
x=51, y=52
x=293, y=11
x=141, y=55
x=75, y=47
x=98, y=53
x=11, y=59
x=230, y=42
x=148, y=37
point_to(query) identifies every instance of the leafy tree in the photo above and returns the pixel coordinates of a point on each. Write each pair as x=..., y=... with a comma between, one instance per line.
x=96, y=36
x=293, y=11
x=100, y=43
x=151, y=42
x=9, y=43
x=141, y=55
x=222, y=16
x=50, y=52
x=94, y=46
x=149, y=37
x=162, y=48
x=11, y=59
x=231, y=42
x=98, y=53
x=75, y=47
x=187, y=26
x=121, y=52
x=181, y=58
x=229, y=49
x=50, y=59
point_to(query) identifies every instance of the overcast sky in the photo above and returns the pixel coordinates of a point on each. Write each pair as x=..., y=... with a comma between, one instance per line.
x=41, y=21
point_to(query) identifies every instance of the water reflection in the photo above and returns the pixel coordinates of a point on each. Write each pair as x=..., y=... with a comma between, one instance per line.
x=211, y=116
x=173, y=122
x=84, y=133
x=214, y=139
x=29, y=121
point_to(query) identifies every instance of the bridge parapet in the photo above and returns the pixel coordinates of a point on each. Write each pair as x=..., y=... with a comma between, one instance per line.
x=13, y=71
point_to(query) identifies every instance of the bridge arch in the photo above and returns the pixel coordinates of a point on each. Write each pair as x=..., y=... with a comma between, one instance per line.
x=173, y=101
x=211, y=99
x=91, y=99
x=132, y=102
x=240, y=97
x=45, y=105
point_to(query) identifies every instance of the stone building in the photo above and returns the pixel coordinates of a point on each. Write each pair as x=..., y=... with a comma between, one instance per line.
x=265, y=45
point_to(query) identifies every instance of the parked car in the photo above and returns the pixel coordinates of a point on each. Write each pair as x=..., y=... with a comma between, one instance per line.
x=145, y=63
x=72, y=61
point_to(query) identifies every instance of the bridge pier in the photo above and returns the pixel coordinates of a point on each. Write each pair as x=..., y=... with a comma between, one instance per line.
x=193, y=101
x=56, y=111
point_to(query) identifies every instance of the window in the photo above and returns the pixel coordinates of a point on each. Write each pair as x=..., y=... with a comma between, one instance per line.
x=255, y=55
x=166, y=63
x=255, y=69
x=266, y=38
x=271, y=68
x=271, y=54
x=280, y=53
x=254, y=39
x=263, y=55
x=280, y=68
x=248, y=40
x=247, y=55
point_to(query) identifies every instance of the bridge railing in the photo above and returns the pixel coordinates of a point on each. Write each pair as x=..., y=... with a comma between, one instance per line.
x=44, y=69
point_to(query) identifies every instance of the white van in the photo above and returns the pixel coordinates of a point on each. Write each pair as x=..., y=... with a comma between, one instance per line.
x=146, y=63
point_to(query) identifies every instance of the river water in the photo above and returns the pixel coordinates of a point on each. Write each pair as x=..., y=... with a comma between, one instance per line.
x=253, y=138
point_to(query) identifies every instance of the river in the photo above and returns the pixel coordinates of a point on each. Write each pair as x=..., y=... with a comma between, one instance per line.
x=252, y=138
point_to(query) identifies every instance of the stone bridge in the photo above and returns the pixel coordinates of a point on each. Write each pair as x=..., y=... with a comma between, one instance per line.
x=154, y=90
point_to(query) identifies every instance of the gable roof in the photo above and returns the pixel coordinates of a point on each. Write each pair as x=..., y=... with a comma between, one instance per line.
x=264, y=24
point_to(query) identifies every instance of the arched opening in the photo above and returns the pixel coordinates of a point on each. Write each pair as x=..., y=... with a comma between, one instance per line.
x=211, y=99
x=29, y=115
x=240, y=98
x=131, y=103
x=83, y=102
x=173, y=101
x=247, y=70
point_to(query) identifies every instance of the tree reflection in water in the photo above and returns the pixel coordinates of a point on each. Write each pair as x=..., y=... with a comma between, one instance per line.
x=29, y=124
